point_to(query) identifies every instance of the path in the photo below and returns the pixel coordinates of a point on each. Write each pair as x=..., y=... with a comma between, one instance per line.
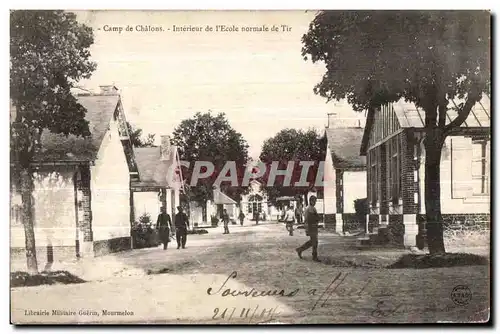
x=263, y=257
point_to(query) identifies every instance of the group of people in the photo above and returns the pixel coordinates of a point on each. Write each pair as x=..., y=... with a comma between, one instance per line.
x=165, y=229
x=181, y=223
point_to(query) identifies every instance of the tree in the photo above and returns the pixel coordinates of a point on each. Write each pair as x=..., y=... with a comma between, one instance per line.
x=425, y=57
x=292, y=145
x=137, y=139
x=212, y=139
x=49, y=53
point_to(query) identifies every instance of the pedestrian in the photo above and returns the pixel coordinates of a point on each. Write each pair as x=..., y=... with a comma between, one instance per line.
x=298, y=213
x=225, y=220
x=289, y=220
x=256, y=215
x=311, y=225
x=181, y=225
x=163, y=226
x=242, y=217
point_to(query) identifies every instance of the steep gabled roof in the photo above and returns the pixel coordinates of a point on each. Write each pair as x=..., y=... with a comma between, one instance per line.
x=58, y=147
x=153, y=172
x=344, y=144
x=221, y=198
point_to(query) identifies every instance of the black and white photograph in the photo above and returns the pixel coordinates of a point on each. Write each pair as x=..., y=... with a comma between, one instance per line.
x=244, y=167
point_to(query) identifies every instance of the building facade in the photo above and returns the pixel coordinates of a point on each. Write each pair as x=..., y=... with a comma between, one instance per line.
x=393, y=145
x=344, y=178
x=76, y=182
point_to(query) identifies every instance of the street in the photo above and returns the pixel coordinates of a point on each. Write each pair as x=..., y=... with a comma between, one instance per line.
x=254, y=275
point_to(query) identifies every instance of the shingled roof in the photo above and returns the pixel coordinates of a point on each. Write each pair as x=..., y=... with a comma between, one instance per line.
x=58, y=147
x=345, y=145
x=153, y=172
x=410, y=116
x=221, y=198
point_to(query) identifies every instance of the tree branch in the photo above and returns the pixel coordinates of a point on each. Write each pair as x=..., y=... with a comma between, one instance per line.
x=463, y=113
x=442, y=109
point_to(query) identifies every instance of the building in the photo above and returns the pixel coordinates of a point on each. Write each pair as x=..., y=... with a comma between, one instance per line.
x=393, y=145
x=155, y=188
x=81, y=195
x=344, y=177
x=256, y=202
x=223, y=201
x=88, y=191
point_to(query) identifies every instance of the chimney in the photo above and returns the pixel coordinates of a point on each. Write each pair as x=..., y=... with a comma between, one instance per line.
x=165, y=148
x=109, y=90
x=330, y=121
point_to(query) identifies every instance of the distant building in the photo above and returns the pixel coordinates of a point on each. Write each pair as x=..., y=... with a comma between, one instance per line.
x=393, y=145
x=155, y=188
x=345, y=177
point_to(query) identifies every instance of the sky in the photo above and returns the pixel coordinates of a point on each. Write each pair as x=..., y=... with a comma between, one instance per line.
x=258, y=79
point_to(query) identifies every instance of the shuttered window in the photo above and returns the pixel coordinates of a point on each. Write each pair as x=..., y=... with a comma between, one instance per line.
x=479, y=168
x=394, y=170
x=373, y=177
x=470, y=167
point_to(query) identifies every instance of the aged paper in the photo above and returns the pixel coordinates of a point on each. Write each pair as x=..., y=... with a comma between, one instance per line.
x=192, y=225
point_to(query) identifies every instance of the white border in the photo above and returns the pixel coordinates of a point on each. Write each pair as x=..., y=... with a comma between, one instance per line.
x=190, y=5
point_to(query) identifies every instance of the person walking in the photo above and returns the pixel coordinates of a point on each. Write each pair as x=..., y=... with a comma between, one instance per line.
x=163, y=226
x=181, y=225
x=225, y=220
x=298, y=213
x=289, y=220
x=311, y=225
x=242, y=217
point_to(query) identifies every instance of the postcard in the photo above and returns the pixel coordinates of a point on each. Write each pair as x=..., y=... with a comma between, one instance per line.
x=250, y=167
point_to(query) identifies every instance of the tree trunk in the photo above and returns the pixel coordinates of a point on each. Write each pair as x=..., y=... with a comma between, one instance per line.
x=26, y=193
x=433, y=145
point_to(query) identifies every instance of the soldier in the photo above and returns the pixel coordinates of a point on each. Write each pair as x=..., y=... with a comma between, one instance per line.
x=242, y=217
x=289, y=220
x=181, y=225
x=225, y=219
x=164, y=225
x=311, y=225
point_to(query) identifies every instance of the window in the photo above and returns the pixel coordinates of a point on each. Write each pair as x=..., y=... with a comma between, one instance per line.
x=480, y=168
x=373, y=178
x=394, y=170
x=249, y=208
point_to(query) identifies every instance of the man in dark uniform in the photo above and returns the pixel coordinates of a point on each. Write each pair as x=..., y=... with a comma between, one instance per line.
x=225, y=220
x=242, y=217
x=311, y=226
x=163, y=225
x=181, y=225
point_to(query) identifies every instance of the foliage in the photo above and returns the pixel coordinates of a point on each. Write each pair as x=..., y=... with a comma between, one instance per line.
x=415, y=261
x=21, y=278
x=197, y=231
x=49, y=54
x=137, y=138
x=425, y=57
x=292, y=145
x=206, y=137
x=440, y=54
x=214, y=220
x=361, y=207
x=143, y=234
